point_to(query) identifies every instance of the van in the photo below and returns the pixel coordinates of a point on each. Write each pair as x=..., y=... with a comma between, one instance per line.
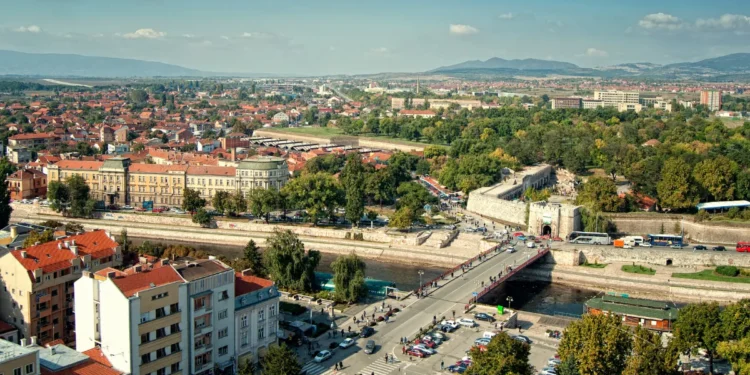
x=489, y=335
x=530, y=244
x=370, y=346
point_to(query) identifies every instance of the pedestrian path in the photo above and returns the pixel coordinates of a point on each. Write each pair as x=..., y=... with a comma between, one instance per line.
x=312, y=368
x=381, y=368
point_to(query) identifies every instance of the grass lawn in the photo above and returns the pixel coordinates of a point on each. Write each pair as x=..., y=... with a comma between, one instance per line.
x=595, y=265
x=710, y=275
x=332, y=132
x=641, y=270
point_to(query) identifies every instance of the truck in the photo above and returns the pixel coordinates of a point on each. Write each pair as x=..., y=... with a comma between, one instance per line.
x=633, y=241
x=619, y=243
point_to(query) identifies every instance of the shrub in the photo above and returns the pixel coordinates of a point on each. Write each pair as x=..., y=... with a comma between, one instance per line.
x=733, y=212
x=702, y=215
x=730, y=271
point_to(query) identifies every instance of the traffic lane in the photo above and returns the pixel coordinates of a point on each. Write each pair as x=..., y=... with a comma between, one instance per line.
x=730, y=249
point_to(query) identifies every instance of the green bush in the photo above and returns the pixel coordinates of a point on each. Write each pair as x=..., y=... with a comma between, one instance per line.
x=702, y=215
x=291, y=308
x=730, y=271
x=733, y=212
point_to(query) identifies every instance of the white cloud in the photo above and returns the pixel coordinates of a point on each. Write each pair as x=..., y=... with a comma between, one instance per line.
x=189, y=36
x=593, y=52
x=258, y=35
x=462, y=30
x=29, y=29
x=224, y=37
x=145, y=34
x=661, y=21
x=507, y=16
x=379, y=50
x=725, y=22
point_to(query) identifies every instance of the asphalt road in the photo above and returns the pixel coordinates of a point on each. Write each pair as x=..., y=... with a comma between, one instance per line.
x=417, y=313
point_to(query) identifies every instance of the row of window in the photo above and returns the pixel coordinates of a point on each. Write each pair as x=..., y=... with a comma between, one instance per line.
x=160, y=353
x=29, y=369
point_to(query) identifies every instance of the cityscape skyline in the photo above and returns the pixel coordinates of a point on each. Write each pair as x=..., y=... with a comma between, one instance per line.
x=335, y=37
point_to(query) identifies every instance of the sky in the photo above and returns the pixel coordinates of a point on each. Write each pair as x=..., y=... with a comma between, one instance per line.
x=317, y=37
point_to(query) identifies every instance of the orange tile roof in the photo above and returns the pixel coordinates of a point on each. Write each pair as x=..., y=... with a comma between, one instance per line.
x=211, y=170
x=155, y=168
x=244, y=284
x=79, y=165
x=97, y=355
x=90, y=367
x=50, y=258
x=133, y=282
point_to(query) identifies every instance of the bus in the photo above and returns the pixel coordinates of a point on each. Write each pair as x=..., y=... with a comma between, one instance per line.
x=592, y=238
x=743, y=247
x=664, y=240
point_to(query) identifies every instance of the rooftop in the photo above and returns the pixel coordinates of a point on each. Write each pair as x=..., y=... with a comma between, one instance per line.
x=197, y=269
x=722, y=205
x=244, y=283
x=262, y=163
x=130, y=281
x=635, y=307
x=56, y=255
x=10, y=351
x=59, y=357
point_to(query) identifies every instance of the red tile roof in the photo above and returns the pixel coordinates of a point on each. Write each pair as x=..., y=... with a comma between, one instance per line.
x=79, y=165
x=210, y=170
x=90, y=367
x=131, y=282
x=244, y=284
x=5, y=327
x=50, y=258
x=97, y=355
x=154, y=168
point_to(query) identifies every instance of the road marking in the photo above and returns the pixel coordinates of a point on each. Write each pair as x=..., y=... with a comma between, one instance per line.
x=312, y=368
x=381, y=368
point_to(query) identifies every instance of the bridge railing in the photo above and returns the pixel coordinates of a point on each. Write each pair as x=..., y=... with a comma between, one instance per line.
x=540, y=253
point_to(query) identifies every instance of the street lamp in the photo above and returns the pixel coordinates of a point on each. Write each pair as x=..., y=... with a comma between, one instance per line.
x=420, y=272
x=510, y=300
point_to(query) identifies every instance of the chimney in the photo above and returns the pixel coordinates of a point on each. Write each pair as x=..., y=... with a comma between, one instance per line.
x=233, y=156
x=59, y=245
x=23, y=342
x=13, y=232
x=33, y=340
x=73, y=242
x=164, y=262
x=111, y=275
x=138, y=268
x=67, y=244
x=74, y=249
x=52, y=350
x=23, y=253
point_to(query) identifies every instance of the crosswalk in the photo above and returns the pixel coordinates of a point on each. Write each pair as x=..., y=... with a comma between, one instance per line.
x=381, y=368
x=312, y=368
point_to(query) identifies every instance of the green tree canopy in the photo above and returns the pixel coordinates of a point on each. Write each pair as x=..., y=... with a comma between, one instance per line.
x=599, y=344
x=700, y=326
x=260, y=202
x=254, y=259
x=352, y=179
x=349, y=277
x=191, y=200
x=288, y=265
x=202, y=217
x=319, y=194
x=676, y=188
x=280, y=360
x=716, y=177
x=504, y=356
x=600, y=195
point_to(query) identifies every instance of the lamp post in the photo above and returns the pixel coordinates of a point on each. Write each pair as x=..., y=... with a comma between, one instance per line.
x=510, y=300
x=420, y=272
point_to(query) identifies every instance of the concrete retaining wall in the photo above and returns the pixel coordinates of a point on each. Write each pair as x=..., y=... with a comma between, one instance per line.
x=706, y=232
x=499, y=209
x=571, y=256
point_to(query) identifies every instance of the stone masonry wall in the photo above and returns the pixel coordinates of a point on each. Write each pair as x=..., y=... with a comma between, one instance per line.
x=657, y=256
x=707, y=232
x=495, y=208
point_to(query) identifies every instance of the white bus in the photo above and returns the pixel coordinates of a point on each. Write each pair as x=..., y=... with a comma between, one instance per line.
x=592, y=238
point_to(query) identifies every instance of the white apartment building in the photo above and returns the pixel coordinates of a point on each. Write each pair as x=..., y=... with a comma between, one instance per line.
x=210, y=310
x=624, y=107
x=663, y=105
x=256, y=312
x=136, y=317
x=591, y=104
x=612, y=98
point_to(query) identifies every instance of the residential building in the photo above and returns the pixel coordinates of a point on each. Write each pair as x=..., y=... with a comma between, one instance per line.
x=210, y=313
x=37, y=295
x=256, y=308
x=280, y=117
x=42, y=140
x=711, y=99
x=664, y=105
x=18, y=155
x=612, y=98
x=17, y=359
x=117, y=181
x=624, y=107
x=400, y=103
x=566, y=103
x=27, y=183
x=106, y=134
x=136, y=317
x=591, y=104
x=117, y=148
x=653, y=315
x=8, y=332
x=686, y=103
x=416, y=113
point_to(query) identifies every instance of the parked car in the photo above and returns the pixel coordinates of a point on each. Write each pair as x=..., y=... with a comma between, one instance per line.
x=646, y=244
x=449, y=326
x=428, y=344
x=140, y=209
x=425, y=349
x=719, y=248
x=322, y=356
x=458, y=368
x=466, y=322
x=416, y=353
x=127, y=207
x=367, y=332
x=347, y=343
x=484, y=316
x=438, y=335
x=510, y=250
x=676, y=246
x=699, y=248
x=482, y=341
x=158, y=210
x=370, y=347
x=523, y=339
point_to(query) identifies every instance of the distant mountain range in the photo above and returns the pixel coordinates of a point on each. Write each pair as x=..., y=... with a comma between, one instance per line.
x=729, y=66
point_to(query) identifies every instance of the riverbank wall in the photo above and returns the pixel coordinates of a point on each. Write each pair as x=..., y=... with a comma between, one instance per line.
x=725, y=233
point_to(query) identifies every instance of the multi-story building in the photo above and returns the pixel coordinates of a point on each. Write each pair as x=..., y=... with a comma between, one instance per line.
x=27, y=183
x=711, y=99
x=624, y=107
x=256, y=307
x=117, y=181
x=137, y=317
x=591, y=104
x=210, y=314
x=27, y=140
x=612, y=98
x=664, y=105
x=37, y=295
x=570, y=103
x=400, y=103
x=18, y=359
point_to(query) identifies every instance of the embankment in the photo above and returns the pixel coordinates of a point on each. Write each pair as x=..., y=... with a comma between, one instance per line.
x=727, y=233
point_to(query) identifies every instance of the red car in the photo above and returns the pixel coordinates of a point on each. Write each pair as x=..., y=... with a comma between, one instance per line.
x=415, y=353
x=427, y=343
x=158, y=210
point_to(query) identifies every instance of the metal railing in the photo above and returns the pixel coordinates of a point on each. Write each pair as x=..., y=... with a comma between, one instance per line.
x=540, y=253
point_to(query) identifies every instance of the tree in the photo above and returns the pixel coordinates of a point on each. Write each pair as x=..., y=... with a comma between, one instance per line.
x=349, y=277
x=236, y=203
x=353, y=181
x=288, y=265
x=246, y=368
x=699, y=326
x=202, y=217
x=254, y=259
x=191, y=200
x=649, y=356
x=737, y=352
x=402, y=218
x=742, y=188
x=36, y=238
x=125, y=243
x=79, y=204
x=381, y=186
x=716, y=177
x=319, y=194
x=58, y=196
x=504, y=356
x=600, y=194
x=280, y=360
x=220, y=201
x=415, y=197
x=735, y=319
x=260, y=202
x=138, y=96
x=568, y=367
x=5, y=208
x=676, y=188
x=598, y=343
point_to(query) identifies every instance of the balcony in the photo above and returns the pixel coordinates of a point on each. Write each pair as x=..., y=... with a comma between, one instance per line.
x=203, y=347
x=164, y=321
x=161, y=342
x=156, y=364
x=203, y=366
x=202, y=328
x=202, y=308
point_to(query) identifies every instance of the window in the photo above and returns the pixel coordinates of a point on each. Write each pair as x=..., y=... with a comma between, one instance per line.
x=224, y=295
x=161, y=353
x=146, y=358
x=145, y=338
x=161, y=371
x=30, y=368
x=224, y=350
x=222, y=314
x=161, y=332
x=174, y=348
x=272, y=311
x=261, y=333
x=174, y=328
x=243, y=321
x=175, y=367
x=17, y=371
x=223, y=333
x=261, y=314
x=160, y=313
x=243, y=339
x=54, y=292
x=144, y=317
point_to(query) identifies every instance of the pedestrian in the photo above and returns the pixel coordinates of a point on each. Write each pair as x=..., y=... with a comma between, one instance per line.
x=336, y=366
x=341, y=365
x=454, y=314
x=342, y=331
x=350, y=329
x=386, y=358
x=329, y=334
x=442, y=365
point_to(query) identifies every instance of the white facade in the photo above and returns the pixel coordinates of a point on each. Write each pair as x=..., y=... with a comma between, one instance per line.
x=256, y=323
x=612, y=98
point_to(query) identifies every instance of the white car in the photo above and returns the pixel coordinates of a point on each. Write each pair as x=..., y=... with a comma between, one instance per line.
x=510, y=250
x=347, y=343
x=451, y=323
x=424, y=349
x=322, y=356
x=645, y=244
x=466, y=322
